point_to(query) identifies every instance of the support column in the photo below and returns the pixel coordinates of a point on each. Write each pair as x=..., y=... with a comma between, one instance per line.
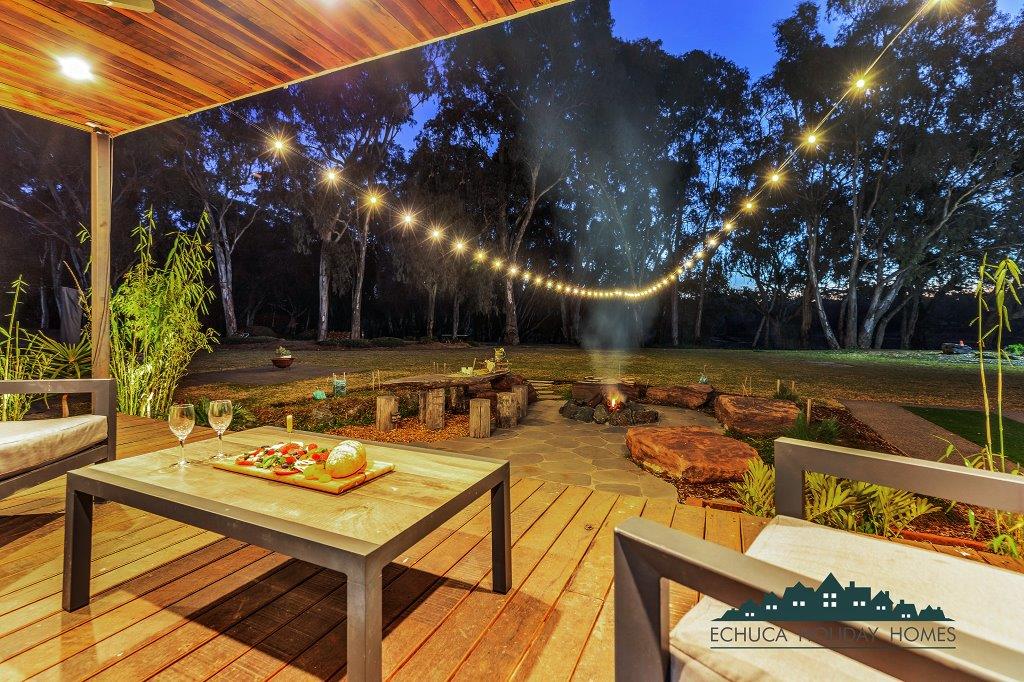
x=99, y=245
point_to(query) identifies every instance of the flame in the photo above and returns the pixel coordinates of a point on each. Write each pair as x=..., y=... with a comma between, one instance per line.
x=614, y=401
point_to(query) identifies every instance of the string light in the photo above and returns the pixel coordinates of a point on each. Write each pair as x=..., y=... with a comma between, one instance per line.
x=278, y=144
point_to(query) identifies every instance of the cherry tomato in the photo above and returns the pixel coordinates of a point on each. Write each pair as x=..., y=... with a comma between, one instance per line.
x=281, y=471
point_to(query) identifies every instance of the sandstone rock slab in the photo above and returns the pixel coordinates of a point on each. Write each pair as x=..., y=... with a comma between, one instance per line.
x=691, y=397
x=754, y=416
x=694, y=454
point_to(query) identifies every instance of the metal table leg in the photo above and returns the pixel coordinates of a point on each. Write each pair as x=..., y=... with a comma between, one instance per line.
x=364, y=625
x=501, y=536
x=77, y=548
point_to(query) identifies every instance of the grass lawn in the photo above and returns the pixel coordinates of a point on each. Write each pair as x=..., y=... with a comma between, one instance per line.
x=970, y=424
x=894, y=376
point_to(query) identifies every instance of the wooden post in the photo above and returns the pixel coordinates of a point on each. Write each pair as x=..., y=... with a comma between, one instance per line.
x=434, y=416
x=479, y=418
x=808, y=411
x=508, y=411
x=99, y=248
x=778, y=386
x=522, y=394
x=387, y=407
x=422, y=413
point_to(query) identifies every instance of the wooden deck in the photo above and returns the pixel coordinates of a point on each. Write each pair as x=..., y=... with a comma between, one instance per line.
x=176, y=602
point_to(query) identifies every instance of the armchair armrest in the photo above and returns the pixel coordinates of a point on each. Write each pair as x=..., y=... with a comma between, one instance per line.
x=648, y=554
x=103, y=392
x=794, y=458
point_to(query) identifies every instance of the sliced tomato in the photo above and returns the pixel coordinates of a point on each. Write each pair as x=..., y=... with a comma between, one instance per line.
x=289, y=459
x=242, y=461
x=281, y=471
x=311, y=447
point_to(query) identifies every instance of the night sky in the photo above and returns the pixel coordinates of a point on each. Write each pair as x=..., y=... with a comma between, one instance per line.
x=741, y=30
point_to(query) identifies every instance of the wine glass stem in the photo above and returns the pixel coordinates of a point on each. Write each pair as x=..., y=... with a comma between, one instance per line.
x=220, y=443
x=182, y=461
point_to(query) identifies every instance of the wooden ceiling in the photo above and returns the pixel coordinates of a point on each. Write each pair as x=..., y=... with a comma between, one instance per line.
x=190, y=55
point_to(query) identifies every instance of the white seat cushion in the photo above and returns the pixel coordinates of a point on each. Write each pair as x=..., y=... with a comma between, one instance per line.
x=27, y=444
x=983, y=601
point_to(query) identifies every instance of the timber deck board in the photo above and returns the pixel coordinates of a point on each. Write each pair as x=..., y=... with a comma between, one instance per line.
x=174, y=602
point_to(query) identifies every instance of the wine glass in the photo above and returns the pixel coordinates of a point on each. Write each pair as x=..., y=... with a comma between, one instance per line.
x=182, y=419
x=219, y=413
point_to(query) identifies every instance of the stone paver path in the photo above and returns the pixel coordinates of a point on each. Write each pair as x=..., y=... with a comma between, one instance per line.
x=548, y=446
x=912, y=435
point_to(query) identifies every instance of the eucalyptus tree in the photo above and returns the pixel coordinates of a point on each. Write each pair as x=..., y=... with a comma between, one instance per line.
x=221, y=157
x=513, y=93
x=347, y=124
x=919, y=165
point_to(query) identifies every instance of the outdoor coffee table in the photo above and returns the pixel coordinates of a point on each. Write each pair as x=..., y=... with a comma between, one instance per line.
x=357, y=533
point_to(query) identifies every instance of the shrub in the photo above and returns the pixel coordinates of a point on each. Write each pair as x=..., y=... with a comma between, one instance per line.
x=155, y=324
x=231, y=340
x=259, y=330
x=836, y=502
x=346, y=343
x=388, y=342
x=241, y=417
x=825, y=431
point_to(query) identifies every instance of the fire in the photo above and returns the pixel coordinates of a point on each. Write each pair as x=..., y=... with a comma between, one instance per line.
x=614, y=402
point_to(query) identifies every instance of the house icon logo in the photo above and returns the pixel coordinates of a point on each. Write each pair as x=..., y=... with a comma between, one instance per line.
x=831, y=601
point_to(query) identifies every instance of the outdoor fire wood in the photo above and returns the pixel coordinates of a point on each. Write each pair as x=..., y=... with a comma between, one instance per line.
x=522, y=394
x=508, y=410
x=387, y=408
x=479, y=418
x=434, y=415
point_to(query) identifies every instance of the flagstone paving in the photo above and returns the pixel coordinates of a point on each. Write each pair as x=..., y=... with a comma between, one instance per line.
x=550, y=447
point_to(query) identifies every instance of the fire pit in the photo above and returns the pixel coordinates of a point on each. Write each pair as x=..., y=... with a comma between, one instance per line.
x=608, y=401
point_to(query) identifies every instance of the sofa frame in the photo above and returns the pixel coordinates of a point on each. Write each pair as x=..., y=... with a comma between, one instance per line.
x=104, y=403
x=648, y=555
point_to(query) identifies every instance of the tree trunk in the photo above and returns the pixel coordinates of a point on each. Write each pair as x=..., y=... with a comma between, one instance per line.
x=675, y=314
x=431, y=305
x=324, y=292
x=698, y=323
x=357, y=291
x=225, y=275
x=511, y=336
x=812, y=280
x=806, y=315
x=455, y=317
x=564, y=311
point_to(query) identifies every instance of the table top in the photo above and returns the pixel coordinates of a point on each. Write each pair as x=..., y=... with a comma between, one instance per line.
x=444, y=380
x=372, y=515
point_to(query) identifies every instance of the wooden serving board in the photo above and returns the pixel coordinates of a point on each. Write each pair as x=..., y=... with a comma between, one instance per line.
x=336, y=486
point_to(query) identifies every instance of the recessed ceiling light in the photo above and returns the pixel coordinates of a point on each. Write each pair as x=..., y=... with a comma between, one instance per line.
x=75, y=68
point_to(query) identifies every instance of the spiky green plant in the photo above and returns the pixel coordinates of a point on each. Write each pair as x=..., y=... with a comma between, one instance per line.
x=16, y=363
x=155, y=319
x=998, y=285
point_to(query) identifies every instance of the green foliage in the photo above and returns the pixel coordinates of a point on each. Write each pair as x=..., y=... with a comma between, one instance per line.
x=757, y=489
x=346, y=343
x=835, y=502
x=241, y=417
x=786, y=392
x=824, y=431
x=1015, y=349
x=155, y=321
x=388, y=342
x=15, y=363
x=283, y=352
x=26, y=355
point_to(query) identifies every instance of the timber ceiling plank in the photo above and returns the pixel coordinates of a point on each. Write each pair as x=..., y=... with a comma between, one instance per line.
x=190, y=55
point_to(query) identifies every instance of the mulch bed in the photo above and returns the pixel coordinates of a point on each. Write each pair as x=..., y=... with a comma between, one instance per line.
x=409, y=430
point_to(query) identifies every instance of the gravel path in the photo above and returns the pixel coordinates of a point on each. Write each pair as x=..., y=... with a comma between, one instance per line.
x=912, y=435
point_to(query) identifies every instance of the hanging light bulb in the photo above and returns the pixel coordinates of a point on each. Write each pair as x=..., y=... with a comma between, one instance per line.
x=407, y=219
x=480, y=255
x=460, y=246
x=435, y=233
x=331, y=176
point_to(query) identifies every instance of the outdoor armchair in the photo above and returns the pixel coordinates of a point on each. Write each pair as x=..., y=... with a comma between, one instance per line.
x=37, y=450
x=982, y=601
